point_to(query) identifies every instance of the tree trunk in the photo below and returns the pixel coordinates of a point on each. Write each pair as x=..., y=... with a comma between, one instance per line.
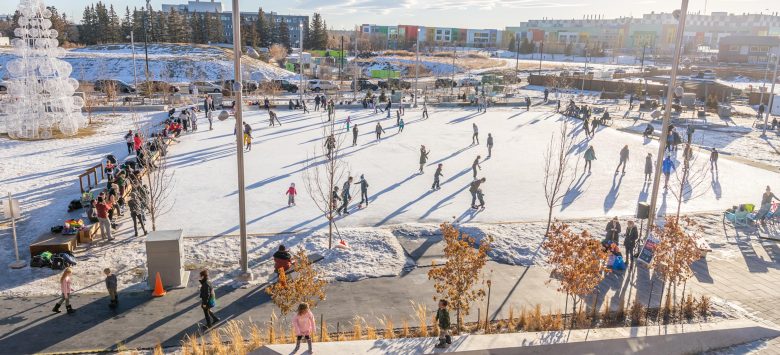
x=565, y=307
x=152, y=212
x=457, y=328
x=549, y=221
x=649, y=298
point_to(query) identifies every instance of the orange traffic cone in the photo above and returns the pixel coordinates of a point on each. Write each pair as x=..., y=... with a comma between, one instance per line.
x=159, y=291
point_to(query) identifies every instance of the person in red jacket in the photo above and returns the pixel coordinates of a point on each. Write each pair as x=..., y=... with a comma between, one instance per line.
x=102, y=207
x=291, y=192
x=137, y=143
x=282, y=259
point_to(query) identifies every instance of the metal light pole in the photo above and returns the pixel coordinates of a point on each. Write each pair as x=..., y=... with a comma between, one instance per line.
x=300, y=60
x=147, y=24
x=452, y=84
x=246, y=274
x=355, y=75
x=416, y=67
x=517, y=57
x=766, y=74
x=341, y=63
x=135, y=72
x=771, y=95
x=667, y=113
x=584, y=72
x=642, y=62
x=541, y=52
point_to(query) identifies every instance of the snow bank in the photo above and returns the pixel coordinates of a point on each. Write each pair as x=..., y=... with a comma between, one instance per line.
x=168, y=62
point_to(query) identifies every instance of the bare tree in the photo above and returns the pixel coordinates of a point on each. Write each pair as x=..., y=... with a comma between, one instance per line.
x=557, y=172
x=157, y=194
x=688, y=181
x=320, y=176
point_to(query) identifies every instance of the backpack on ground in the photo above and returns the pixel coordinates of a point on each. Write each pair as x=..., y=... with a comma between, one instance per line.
x=37, y=261
x=69, y=260
x=57, y=229
x=57, y=262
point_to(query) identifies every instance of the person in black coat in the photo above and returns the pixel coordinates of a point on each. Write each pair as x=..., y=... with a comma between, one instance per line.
x=632, y=235
x=613, y=230
x=206, y=292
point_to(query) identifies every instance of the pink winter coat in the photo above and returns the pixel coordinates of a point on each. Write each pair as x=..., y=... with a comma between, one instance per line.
x=304, y=324
x=65, y=286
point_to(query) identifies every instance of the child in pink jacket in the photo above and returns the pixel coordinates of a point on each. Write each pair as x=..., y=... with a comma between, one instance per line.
x=303, y=323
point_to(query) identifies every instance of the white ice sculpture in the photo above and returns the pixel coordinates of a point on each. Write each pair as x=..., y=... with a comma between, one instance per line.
x=40, y=90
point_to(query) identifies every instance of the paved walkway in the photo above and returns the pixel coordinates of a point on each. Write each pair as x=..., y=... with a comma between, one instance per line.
x=747, y=280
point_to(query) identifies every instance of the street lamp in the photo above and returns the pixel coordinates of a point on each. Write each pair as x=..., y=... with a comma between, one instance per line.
x=300, y=59
x=246, y=274
x=541, y=53
x=771, y=95
x=135, y=73
x=417, y=67
x=667, y=112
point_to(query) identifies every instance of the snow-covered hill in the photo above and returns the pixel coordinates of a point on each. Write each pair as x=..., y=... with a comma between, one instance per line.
x=167, y=62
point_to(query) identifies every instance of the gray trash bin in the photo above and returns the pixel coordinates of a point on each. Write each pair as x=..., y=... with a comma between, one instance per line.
x=165, y=254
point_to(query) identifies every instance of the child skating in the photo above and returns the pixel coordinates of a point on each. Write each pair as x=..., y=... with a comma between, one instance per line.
x=304, y=326
x=291, y=192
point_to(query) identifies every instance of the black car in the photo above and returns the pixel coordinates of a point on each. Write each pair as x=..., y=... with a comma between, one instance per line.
x=117, y=85
x=395, y=84
x=286, y=85
x=157, y=86
x=445, y=83
x=364, y=84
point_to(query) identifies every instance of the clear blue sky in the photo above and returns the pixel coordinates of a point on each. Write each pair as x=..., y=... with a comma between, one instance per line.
x=453, y=13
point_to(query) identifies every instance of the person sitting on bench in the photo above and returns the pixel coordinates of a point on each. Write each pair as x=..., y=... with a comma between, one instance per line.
x=282, y=259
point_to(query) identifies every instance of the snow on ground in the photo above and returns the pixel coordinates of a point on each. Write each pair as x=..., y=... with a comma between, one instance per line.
x=42, y=174
x=399, y=194
x=167, y=62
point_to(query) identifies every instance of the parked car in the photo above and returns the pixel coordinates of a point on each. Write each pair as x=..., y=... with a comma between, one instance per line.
x=620, y=71
x=707, y=75
x=286, y=85
x=3, y=87
x=364, y=84
x=445, y=83
x=157, y=86
x=119, y=86
x=367, y=54
x=394, y=84
x=247, y=86
x=318, y=85
x=468, y=82
x=207, y=87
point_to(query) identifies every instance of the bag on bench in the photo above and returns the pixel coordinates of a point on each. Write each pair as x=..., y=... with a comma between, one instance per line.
x=68, y=259
x=57, y=263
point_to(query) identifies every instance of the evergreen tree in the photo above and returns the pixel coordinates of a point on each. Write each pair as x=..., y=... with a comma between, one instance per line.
x=215, y=29
x=102, y=23
x=272, y=30
x=158, y=30
x=138, y=24
x=127, y=24
x=313, y=39
x=512, y=43
x=88, y=28
x=114, y=27
x=197, y=29
x=177, y=28
x=61, y=24
x=261, y=29
x=283, y=32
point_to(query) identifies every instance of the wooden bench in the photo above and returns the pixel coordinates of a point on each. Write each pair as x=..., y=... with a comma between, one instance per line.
x=54, y=243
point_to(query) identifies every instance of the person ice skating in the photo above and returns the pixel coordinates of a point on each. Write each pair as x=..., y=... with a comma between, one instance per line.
x=586, y=127
x=363, y=191
x=443, y=322
x=347, y=122
x=490, y=145
x=423, y=157
x=304, y=325
x=379, y=130
x=546, y=94
x=102, y=207
x=207, y=298
x=648, y=131
x=527, y=103
x=648, y=166
x=210, y=117
x=714, y=160
x=65, y=288
x=594, y=125
x=475, y=136
x=425, y=110
x=111, y=285
x=558, y=106
x=291, y=192
x=345, y=197
x=401, y=125
x=666, y=167
x=316, y=103
x=388, y=106
x=290, y=105
x=475, y=189
x=248, y=141
x=282, y=259
x=335, y=198
x=689, y=132
x=760, y=111
x=130, y=141
x=436, y=177
x=136, y=207
x=137, y=143
x=475, y=165
x=623, y=159
x=632, y=235
x=354, y=134
x=590, y=156
x=330, y=145
x=613, y=230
